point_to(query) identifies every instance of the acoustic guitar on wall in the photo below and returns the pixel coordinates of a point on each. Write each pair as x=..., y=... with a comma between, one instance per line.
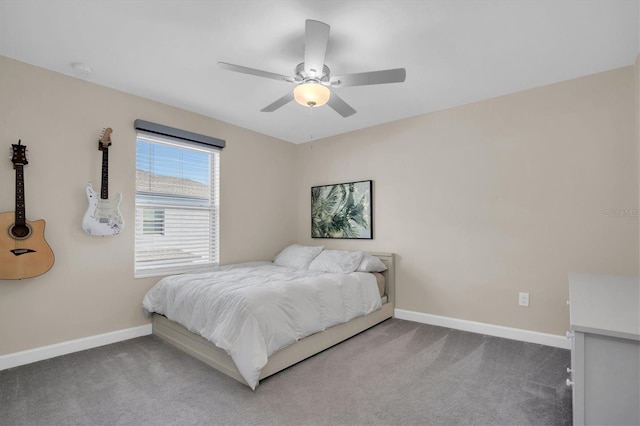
x=103, y=215
x=24, y=253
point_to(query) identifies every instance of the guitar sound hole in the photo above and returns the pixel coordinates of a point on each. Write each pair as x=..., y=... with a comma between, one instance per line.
x=20, y=232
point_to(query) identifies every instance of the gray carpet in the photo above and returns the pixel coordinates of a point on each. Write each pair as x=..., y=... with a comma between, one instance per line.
x=397, y=373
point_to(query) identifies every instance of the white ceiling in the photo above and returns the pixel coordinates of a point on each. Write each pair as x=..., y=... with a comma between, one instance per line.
x=455, y=52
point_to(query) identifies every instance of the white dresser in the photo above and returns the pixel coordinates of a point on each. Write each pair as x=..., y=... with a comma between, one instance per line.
x=605, y=353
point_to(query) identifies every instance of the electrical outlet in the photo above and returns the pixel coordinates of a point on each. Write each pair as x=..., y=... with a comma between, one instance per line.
x=523, y=299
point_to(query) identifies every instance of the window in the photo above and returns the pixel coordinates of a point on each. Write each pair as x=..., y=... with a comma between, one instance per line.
x=176, y=205
x=152, y=221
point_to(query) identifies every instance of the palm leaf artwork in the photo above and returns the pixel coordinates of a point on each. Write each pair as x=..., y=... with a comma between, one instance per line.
x=341, y=211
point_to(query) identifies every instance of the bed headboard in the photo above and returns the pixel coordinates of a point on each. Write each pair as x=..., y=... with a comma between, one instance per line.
x=389, y=274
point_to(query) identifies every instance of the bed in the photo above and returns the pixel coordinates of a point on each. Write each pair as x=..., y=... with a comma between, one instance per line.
x=197, y=338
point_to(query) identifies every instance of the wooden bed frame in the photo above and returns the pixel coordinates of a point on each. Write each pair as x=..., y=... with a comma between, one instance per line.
x=204, y=350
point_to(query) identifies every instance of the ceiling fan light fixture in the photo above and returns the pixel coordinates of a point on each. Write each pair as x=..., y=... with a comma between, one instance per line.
x=311, y=94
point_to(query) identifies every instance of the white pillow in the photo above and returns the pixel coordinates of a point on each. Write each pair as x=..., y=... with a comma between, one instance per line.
x=371, y=263
x=297, y=256
x=338, y=261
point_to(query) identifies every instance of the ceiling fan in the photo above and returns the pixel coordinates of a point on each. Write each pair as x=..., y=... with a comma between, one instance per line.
x=313, y=78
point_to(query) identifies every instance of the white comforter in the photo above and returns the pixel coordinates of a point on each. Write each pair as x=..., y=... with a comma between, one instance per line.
x=251, y=310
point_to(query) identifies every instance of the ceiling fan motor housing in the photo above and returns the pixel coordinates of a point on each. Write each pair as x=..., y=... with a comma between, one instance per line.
x=302, y=76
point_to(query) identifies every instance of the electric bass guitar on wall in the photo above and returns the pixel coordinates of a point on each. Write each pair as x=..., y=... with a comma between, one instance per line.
x=24, y=253
x=103, y=215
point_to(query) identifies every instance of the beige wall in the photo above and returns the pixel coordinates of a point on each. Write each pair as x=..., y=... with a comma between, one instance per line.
x=637, y=91
x=90, y=289
x=478, y=202
x=489, y=199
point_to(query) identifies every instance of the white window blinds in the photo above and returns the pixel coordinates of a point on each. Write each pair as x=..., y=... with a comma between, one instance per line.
x=177, y=205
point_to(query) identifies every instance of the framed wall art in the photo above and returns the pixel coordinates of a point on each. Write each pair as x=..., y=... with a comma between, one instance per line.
x=342, y=210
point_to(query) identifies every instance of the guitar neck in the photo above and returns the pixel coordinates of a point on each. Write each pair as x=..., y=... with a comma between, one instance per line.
x=20, y=219
x=104, y=189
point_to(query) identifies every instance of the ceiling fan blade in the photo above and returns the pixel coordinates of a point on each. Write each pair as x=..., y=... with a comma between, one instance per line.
x=253, y=71
x=279, y=103
x=396, y=75
x=340, y=106
x=316, y=37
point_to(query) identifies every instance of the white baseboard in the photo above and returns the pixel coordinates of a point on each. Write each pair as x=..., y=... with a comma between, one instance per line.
x=46, y=352
x=488, y=329
x=38, y=354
